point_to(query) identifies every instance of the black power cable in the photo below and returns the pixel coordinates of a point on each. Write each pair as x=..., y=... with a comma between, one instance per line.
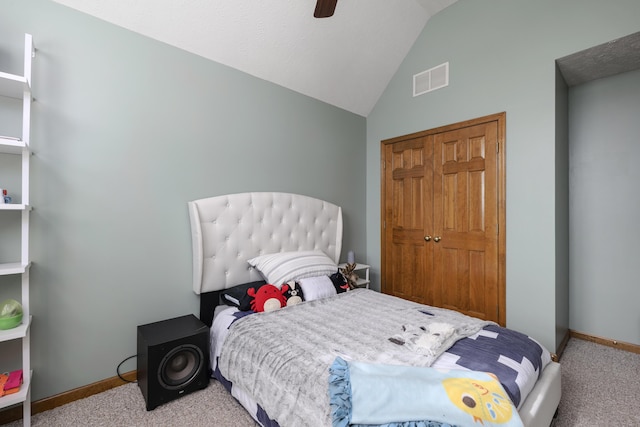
x=118, y=369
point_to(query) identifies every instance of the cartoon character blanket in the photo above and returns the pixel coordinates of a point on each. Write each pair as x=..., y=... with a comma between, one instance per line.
x=363, y=394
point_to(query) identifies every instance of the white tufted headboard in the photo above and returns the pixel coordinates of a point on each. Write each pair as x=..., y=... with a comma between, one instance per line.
x=228, y=230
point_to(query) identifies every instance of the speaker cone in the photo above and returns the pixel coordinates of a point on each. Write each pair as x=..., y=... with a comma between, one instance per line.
x=180, y=366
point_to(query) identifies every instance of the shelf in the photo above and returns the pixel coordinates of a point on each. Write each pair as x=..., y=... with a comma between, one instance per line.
x=13, y=268
x=363, y=283
x=19, y=87
x=358, y=266
x=14, y=207
x=19, y=331
x=9, y=145
x=13, y=86
x=20, y=396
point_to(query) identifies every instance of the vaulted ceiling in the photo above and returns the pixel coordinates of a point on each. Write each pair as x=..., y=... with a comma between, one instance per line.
x=346, y=60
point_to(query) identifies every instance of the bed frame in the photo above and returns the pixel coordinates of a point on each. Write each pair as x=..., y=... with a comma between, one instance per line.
x=228, y=230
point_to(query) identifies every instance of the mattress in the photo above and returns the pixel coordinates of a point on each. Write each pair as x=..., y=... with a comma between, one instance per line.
x=359, y=325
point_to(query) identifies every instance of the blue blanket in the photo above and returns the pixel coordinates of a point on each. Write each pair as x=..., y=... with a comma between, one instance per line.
x=363, y=394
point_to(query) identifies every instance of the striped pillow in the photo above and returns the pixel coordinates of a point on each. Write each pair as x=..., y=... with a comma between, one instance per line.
x=284, y=267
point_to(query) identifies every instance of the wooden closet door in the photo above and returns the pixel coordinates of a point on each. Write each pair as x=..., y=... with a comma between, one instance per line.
x=407, y=260
x=465, y=210
x=443, y=216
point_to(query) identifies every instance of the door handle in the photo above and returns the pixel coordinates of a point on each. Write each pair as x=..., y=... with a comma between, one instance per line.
x=437, y=239
x=427, y=238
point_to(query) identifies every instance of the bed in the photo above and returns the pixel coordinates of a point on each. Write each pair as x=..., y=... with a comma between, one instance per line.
x=302, y=346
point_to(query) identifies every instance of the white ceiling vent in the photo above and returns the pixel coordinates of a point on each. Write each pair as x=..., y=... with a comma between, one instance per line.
x=432, y=79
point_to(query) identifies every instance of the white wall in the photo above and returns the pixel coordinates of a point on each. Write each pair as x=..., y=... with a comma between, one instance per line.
x=605, y=207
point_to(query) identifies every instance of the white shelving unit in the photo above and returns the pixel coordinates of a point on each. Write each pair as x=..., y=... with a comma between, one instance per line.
x=19, y=87
x=363, y=282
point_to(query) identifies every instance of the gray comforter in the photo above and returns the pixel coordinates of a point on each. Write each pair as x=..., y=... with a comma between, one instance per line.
x=282, y=358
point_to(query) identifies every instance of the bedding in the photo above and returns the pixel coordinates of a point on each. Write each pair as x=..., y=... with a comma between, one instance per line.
x=317, y=287
x=238, y=297
x=282, y=267
x=281, y=360
x=363, y=394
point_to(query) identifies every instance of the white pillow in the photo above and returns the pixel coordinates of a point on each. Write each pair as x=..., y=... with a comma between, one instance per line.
x=317, y=287
x=284, y=267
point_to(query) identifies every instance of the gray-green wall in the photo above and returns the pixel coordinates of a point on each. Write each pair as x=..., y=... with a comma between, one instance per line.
x=605, y=207
x=502, y=56
x=125, y=131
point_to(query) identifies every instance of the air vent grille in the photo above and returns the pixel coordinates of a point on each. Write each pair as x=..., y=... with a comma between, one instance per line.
x=431, y=79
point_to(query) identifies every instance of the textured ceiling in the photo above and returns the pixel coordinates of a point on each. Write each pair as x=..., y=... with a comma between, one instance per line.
x=346, y=60
x=608, y=59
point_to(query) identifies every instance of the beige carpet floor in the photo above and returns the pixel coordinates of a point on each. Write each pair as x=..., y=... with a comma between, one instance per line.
x=600, y=387
x=125, y=406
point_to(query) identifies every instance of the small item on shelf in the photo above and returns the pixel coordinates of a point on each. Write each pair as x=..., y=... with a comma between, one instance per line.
x=3, y=193
x=5, y=198
x=10, y=314
x=13, y=382
x=351, y=257
x=3, y=380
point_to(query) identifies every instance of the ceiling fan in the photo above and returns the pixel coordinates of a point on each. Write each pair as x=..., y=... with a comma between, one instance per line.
x=325, y=8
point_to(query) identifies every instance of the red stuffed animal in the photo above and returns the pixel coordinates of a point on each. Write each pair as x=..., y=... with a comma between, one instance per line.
x=268, y=298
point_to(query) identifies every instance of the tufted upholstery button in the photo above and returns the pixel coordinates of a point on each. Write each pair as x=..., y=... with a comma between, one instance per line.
x=241, y=226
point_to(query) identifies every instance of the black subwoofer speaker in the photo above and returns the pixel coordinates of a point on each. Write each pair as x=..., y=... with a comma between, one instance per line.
x=173, y=359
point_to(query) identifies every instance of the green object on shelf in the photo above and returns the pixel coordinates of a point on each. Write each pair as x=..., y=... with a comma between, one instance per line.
x=10, y=314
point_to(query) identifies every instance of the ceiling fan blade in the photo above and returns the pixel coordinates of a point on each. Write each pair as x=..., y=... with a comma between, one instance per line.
x=325, y=8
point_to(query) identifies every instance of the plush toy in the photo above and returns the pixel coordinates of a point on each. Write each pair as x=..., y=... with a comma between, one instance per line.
x=294, y=295
x=339, y=282
x=424, y=339
x=268, y=298
x=349, y=275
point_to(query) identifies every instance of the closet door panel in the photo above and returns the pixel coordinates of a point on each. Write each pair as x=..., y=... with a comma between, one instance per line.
x=407, y=260
x=465, y=220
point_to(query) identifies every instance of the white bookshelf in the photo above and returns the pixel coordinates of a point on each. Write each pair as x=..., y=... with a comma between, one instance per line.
x=19, y=87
